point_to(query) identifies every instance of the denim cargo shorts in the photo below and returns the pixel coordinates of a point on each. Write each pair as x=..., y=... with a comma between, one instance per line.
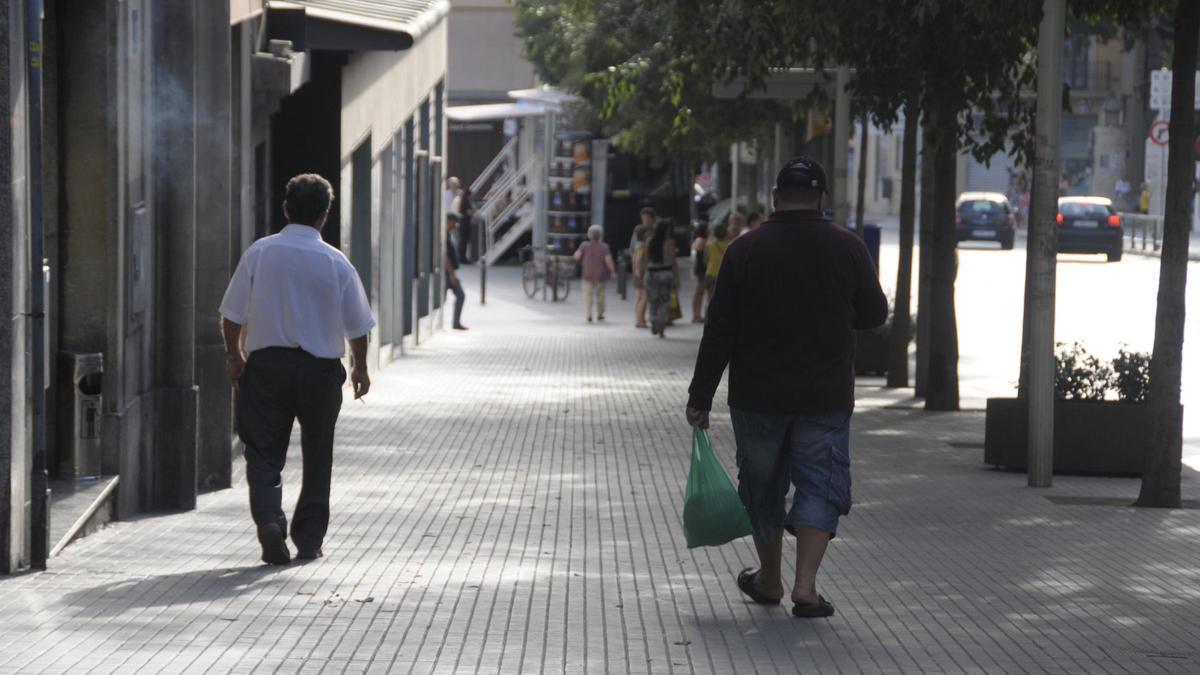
x=812, y=452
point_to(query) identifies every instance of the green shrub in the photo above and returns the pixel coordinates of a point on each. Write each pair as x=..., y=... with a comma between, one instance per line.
x=1078, y=375
x=1131, y=375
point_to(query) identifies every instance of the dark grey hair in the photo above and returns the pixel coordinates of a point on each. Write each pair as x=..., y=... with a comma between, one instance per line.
x=308, y=197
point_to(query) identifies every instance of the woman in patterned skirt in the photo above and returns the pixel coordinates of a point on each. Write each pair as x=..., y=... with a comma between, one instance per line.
x=662, y=278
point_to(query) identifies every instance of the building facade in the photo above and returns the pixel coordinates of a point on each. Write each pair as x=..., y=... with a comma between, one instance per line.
x=169, y=129
x=485, y=62
x=1105, y=118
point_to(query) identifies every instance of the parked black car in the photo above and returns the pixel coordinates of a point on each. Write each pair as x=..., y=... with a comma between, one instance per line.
x=985, y=216
x=1089, y=225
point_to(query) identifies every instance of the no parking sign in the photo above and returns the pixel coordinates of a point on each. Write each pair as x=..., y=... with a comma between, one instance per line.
x=1159, y=132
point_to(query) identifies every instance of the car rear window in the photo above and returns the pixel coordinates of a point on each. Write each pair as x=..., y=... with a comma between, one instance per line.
x=1080, y=210
x=981, y=206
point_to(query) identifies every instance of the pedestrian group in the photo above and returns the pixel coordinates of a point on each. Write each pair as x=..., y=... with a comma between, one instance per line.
x=784, y=296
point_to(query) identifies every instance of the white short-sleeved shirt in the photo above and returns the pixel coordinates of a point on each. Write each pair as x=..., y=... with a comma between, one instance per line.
x=293, y=290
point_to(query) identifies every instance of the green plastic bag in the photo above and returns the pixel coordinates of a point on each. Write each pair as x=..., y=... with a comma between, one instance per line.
x=712, y=511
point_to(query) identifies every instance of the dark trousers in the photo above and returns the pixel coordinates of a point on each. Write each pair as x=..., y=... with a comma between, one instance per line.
x=278, y=387
x=455, y=286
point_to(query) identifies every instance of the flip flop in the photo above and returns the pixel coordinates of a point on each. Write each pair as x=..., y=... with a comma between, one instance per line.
x=821, y=609
x=745, y=582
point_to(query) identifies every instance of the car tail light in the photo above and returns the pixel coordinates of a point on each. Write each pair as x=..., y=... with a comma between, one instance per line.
x=1114, y=220
x=1059, y=218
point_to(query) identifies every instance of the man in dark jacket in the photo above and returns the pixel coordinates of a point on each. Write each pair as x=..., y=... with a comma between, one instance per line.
x=788, y=299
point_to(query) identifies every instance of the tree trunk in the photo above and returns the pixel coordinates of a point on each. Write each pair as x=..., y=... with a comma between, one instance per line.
x=897, y=373
x=942, y=385
x=752, y=204
x=863, y=148
x=1041, y=248
x=1030, y=231
x=1023, y=372
x=1164, y=452
x=925, y=273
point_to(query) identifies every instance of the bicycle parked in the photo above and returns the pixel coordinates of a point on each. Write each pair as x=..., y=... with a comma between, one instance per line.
x=553, y=275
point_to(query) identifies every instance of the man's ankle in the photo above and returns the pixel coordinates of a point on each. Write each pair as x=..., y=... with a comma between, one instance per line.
x=772, y=587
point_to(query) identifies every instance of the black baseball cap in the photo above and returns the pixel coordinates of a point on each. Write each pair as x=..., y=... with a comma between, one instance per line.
x=802, y=172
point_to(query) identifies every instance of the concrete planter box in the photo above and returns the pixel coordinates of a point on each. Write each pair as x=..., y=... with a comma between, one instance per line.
x=871, y=354
x=1096, y=437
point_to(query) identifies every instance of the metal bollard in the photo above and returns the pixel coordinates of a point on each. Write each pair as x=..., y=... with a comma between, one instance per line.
x=622, y=275
x=482, y=281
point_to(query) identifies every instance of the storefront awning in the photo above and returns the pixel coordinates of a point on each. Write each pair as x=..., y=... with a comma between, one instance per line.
x=546, y=95
x=493, y=111
x=352, y=25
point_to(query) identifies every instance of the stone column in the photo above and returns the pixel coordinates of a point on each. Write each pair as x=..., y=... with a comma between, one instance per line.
x=174, y=428
x=15, y=414
x=214, y=220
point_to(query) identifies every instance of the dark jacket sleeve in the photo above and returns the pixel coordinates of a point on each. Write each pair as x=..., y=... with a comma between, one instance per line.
x=870, y=303
x=720, y=336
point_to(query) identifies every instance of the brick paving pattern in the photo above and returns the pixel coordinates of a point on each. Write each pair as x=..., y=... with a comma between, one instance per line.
x=508, y=501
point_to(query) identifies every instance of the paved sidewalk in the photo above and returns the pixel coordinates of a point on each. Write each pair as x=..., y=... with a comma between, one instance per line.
x=508, y=500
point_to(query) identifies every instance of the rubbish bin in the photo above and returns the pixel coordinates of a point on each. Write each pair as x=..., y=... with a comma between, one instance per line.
x=82, y=456
x=623, y=266
x=872, y=235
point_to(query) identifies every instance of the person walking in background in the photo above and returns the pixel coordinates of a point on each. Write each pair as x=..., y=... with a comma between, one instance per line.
x=699, y=244
x=752, y=221
x=291, y=305
x=737, y=223
x=598, y=268
x=637, y=246
x=448, y=195
x=714, y=253
x=464, y=232
x=789, y=296
x=1144, y=199
x=648, y=218
x=451, y=261
x=662, y=277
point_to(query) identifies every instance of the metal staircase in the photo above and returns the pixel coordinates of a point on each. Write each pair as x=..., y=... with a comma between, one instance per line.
x=508, y=196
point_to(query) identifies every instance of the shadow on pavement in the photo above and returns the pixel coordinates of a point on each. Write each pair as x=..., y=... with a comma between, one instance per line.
x=165, y=590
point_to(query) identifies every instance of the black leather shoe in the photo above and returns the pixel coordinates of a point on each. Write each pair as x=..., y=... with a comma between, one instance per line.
x=274, y=546
x=309, y=553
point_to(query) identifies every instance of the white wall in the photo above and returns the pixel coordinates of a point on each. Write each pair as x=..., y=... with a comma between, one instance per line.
x=380, y=90
x=242, y=9
x=485, y=54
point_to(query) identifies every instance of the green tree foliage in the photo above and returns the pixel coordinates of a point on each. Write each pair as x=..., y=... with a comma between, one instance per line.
x=640, y=87
x=646, y=71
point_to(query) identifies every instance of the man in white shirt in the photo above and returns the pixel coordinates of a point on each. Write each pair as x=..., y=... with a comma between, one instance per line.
x=453, y=187
x=291, y=305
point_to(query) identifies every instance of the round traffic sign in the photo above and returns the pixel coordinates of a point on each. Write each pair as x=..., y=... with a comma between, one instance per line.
x=1159, y=132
